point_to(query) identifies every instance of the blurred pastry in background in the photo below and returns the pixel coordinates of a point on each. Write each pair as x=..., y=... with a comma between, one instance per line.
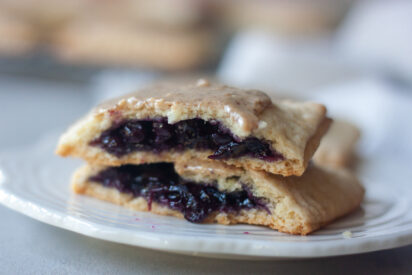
x=98, y=43
x=43, y=16
x=164, y=14
x=161, y=34
x=16, y=37
x=337, y=147
x=289, y=17
x=156, y=34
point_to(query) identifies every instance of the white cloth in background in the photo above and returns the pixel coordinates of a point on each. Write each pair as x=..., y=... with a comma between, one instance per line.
x=375, y=38
x=377, y=34
x=289, y=67
x=382, y=112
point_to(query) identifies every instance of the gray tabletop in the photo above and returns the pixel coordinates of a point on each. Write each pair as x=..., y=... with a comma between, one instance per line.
x=28, y=109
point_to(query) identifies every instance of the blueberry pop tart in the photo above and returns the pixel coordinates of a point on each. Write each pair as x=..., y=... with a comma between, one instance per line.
x=217, y=193
x=207, y=121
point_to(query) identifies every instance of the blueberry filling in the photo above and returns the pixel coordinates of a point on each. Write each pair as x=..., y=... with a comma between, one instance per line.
x=158, y=135
x=161, y=184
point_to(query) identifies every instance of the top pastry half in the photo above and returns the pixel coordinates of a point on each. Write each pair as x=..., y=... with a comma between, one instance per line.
x=202, y=120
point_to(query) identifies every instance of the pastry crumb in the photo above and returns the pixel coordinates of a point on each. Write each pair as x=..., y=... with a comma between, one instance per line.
x=347, y=234
x=202, y=83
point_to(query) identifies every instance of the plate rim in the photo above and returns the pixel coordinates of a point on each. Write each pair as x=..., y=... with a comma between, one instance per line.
x=252, y=249
x=154, y=240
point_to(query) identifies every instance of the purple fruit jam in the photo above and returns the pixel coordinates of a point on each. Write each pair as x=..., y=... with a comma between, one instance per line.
x=160, y=183
x=158, y=135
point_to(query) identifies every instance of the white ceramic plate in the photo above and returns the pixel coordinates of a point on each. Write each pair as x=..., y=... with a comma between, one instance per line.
x=36, y=183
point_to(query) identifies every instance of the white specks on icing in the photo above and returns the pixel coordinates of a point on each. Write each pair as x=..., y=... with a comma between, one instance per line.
x=235, y=109
x=159, y=101
x=202, y=83
x=240, y=121
x=121, y=102
x=139, y=104
x=101, y=110
x=262, y=124
x=132, y=100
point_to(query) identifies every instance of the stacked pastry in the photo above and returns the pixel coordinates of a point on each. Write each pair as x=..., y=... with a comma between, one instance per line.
x=211, y=153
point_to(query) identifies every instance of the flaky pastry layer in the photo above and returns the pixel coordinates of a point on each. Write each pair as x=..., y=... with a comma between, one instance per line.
x=297, y=205
x=293, y=129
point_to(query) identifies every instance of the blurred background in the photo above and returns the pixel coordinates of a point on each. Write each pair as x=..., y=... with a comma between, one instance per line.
x=58, y=58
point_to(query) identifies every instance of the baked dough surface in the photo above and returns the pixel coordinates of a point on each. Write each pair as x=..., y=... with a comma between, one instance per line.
x=298, y=205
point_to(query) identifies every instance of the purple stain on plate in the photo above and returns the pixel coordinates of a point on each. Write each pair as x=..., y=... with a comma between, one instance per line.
x=247, y=233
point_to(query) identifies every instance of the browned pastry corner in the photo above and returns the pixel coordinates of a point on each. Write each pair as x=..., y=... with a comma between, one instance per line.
x=338, y=145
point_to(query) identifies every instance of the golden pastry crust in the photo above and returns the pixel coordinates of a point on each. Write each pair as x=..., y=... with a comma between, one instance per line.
x=100, y=43
x=293, y=129
x=298, y=205
x=338, y=145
